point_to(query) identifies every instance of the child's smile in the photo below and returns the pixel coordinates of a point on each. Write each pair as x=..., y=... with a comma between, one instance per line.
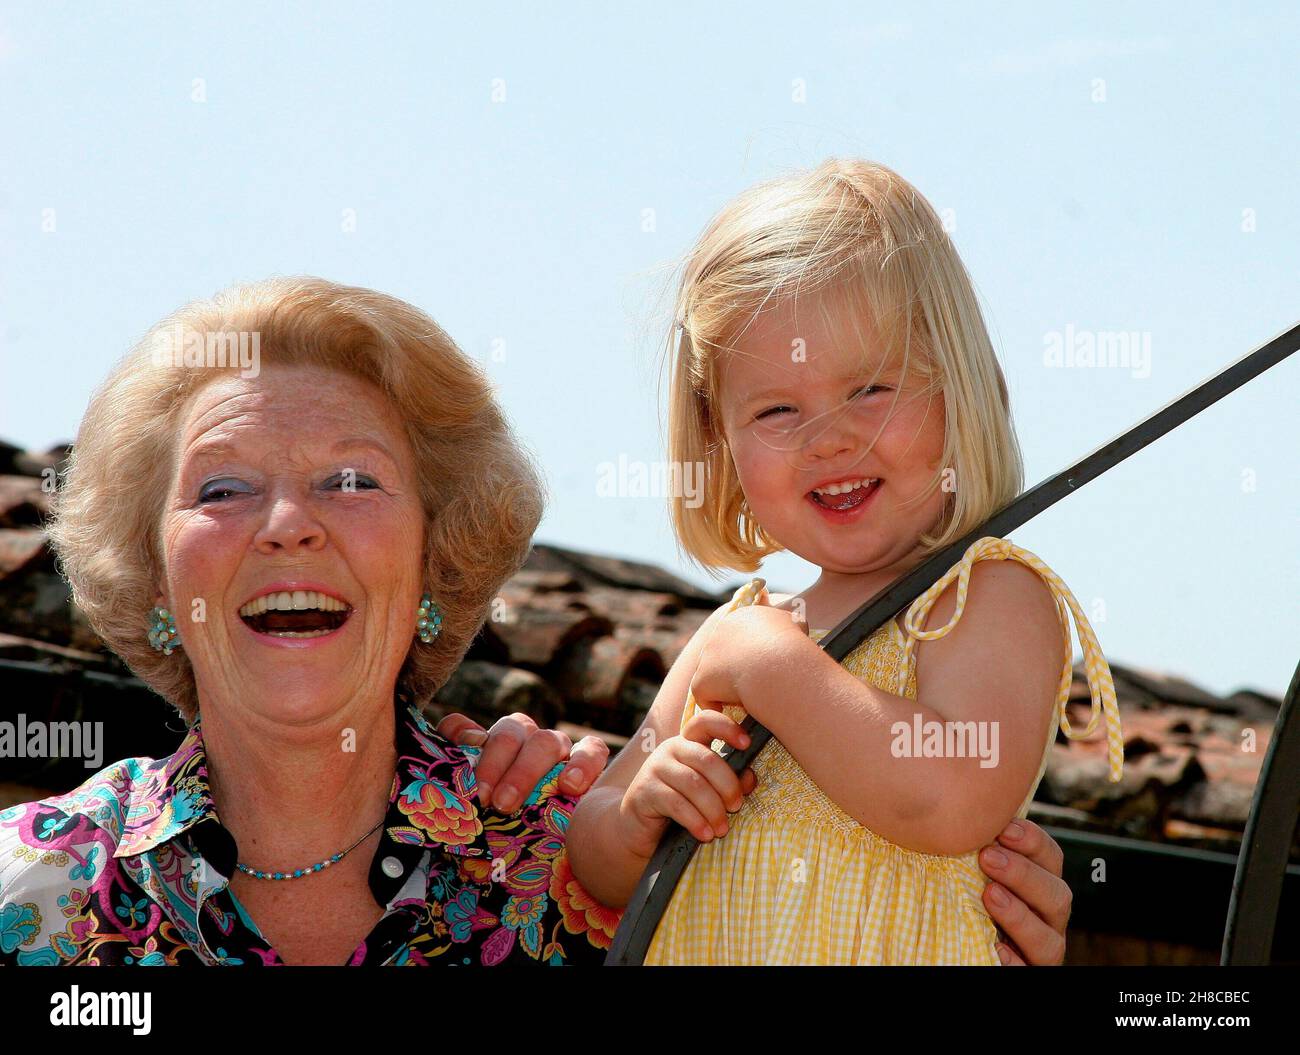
x=833, y=457
x=841, y=500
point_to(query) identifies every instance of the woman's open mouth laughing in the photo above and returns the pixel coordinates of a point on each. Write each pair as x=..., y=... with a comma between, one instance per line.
x=295, y=614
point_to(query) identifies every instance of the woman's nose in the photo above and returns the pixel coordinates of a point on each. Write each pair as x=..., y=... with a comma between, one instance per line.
x=290, y=524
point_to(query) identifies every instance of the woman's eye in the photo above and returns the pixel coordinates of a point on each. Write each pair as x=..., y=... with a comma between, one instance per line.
x=218, y=490
x=773, y=410
x=351, y=480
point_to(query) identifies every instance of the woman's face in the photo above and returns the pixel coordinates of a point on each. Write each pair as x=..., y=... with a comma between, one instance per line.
x=798, y=415
x=298, y=479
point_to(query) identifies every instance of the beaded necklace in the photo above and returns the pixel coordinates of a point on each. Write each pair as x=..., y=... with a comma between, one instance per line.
x=310, y=869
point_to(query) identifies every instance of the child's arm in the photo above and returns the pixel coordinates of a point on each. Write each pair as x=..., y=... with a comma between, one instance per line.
x=1002, y=663
x=660, y=775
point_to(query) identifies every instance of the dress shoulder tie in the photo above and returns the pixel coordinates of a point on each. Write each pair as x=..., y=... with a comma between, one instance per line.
x=1101, y=686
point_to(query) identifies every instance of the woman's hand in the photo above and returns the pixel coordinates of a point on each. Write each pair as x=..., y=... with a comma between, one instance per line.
x=685, y=781
x=517, y=754
x=1030, y=901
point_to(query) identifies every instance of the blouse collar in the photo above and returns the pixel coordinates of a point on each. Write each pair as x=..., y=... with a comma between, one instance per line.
x=431, y=803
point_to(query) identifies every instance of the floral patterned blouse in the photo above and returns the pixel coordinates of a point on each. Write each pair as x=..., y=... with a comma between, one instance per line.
x=132, y=867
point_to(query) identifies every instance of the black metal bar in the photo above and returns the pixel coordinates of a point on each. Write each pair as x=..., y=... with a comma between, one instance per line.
x=1266, y=843
x=657, y=883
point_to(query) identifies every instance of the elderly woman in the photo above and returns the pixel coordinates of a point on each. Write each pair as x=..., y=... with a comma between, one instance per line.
x=296, y=548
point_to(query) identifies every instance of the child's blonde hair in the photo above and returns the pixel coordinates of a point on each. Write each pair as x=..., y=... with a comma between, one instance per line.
x=859, y=232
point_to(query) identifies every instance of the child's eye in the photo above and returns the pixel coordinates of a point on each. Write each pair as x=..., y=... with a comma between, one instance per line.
x=865, y=390
x=216, y=490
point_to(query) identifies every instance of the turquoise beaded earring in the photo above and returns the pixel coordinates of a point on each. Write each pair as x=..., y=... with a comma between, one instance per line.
x=429, y=620
x=162, y=631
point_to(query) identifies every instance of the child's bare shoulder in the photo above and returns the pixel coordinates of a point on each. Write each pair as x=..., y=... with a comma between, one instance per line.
x=1008, y=604
x=1015, y=590
x=1011, y=581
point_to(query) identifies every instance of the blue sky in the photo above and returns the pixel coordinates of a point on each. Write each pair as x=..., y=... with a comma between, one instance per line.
x=530, y=178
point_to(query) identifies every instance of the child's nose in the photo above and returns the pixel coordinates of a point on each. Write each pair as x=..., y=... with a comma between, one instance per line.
x=827, y=437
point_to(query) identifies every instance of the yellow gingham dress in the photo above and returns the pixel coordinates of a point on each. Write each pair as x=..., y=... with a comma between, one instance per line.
x=798, y=881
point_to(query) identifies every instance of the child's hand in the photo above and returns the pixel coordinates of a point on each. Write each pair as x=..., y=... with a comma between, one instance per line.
x=741, y=644
x=685, y=781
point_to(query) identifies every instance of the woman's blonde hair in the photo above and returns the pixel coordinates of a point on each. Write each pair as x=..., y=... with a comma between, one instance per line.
x=481, y=493
x=867, y=246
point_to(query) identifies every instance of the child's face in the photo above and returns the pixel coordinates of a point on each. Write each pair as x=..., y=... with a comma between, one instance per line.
x=797, y=416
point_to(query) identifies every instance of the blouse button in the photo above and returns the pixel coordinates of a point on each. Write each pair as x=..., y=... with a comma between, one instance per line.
x=392, y=867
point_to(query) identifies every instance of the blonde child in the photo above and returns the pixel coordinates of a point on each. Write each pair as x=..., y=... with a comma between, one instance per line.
x=833, y=374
